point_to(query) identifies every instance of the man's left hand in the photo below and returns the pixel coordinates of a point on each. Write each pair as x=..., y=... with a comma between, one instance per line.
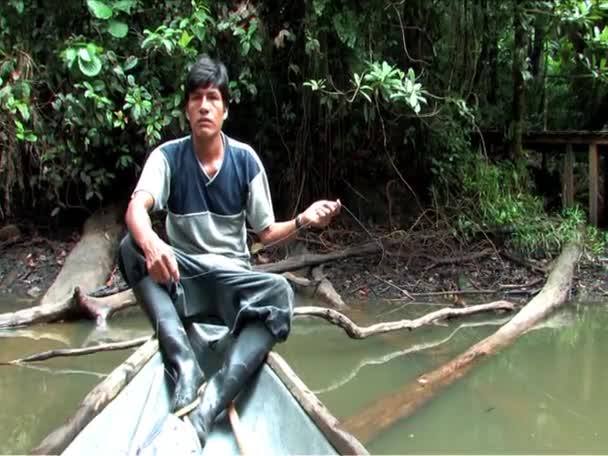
x=320, y=213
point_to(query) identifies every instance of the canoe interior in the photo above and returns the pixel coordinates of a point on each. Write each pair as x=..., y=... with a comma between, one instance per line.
x=273, y=421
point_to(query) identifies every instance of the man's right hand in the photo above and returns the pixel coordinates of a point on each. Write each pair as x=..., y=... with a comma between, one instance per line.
x=160, y=260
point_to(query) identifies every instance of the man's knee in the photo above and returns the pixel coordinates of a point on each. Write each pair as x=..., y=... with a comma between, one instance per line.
x=282, y=287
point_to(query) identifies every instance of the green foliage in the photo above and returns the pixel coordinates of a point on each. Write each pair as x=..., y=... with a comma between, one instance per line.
x=329, y=89
x=91, y=115
x=498, y=198
x=596, y=241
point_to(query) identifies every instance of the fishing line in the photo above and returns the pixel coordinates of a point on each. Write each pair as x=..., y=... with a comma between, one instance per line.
x=305, y=225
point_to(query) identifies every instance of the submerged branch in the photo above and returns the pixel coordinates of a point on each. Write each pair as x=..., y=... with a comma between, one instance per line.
x=332, y=316
x=357, y=332
x=404, y=402
x=59, y=352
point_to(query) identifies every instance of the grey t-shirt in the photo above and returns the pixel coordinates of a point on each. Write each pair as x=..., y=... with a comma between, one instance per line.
x=207, y=215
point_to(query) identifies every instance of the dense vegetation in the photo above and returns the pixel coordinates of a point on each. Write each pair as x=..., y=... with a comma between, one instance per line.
x=378, y=102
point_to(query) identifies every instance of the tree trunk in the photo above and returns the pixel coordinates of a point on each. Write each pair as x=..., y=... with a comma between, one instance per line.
x=492, y=52
x=407, y=400
x=519, y=61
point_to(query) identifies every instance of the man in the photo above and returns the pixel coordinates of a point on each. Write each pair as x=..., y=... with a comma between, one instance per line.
x=210, y=186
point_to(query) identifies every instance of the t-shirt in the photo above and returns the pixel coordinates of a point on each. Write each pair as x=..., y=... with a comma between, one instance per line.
x=207, y=215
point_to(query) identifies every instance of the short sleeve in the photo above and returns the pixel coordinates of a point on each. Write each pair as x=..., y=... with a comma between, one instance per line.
x=260, y=213
x=155, y=179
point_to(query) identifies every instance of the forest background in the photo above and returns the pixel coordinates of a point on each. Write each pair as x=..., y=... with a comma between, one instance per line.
x=380, y=103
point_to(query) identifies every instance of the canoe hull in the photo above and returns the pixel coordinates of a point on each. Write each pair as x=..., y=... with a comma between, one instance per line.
x=273, y=422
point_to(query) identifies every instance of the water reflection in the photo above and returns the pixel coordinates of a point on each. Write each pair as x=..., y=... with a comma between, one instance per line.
x=37, y=398
x=544, y=394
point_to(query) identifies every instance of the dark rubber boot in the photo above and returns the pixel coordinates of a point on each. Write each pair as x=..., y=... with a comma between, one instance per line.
x=247, y=354
x=178, y=356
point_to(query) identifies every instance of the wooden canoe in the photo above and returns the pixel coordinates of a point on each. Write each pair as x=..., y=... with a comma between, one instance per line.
x=278, y=414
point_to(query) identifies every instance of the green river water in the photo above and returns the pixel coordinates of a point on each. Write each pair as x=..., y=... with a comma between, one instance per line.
x=544, y=394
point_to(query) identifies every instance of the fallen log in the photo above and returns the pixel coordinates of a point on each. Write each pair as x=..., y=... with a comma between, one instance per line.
x=314, y=259
x=77, y=303
x=343, y=379
x=89, y=262
x=325, y=291
x=97, y=400
x=87, y=265
x=404, y=402
x=39, y=314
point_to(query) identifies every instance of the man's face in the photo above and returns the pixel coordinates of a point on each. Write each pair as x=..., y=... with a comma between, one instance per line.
x=205, y=111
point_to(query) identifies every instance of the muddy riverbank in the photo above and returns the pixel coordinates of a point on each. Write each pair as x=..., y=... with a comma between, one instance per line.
x=452, y=274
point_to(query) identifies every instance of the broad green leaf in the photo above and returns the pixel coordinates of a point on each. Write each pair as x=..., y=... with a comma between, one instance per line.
x=24, y=111
x=83, y=54
x=18, y=5
x=70, y=55
x=124, y=5
x=99, y=9
x=130, y=63
x=118, y=29
x=90, y=68
x=414, y=100
x=93, y=48
x=185, y=39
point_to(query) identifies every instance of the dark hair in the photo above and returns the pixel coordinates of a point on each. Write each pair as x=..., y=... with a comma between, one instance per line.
x=207, y=71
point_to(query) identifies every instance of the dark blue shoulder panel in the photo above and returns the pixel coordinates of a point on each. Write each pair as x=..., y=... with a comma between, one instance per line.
x=192, y=193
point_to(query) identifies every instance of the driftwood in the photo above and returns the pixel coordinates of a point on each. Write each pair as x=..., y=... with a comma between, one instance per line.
x=318, y=287
x=97, y=400
x=79, y=304
x=101, y=309
x=367, y=361
x=314, y=259
x=59, y=352
x=90, y=260
x=407, y=400
x=39, y=314
x=358, y=332
x=330, y=315
x=87, y=265
x=325, y=291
